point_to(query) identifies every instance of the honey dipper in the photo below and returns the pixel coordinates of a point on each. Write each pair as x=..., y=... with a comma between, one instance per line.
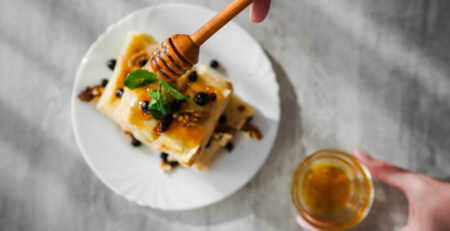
x=178, y=53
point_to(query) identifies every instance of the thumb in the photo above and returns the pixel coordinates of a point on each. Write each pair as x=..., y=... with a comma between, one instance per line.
x=388, y=173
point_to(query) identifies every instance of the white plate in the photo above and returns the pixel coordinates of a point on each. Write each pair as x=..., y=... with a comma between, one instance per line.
x=134, y=172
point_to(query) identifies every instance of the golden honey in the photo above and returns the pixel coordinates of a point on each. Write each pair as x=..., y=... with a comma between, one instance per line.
x=332, y=190
x=326, y=188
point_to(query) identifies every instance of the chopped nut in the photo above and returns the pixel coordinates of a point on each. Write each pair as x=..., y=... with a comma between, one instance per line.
x=90, y=93
x=252, y=131
x=190, y=118
x=165, y=167
x=222, y=138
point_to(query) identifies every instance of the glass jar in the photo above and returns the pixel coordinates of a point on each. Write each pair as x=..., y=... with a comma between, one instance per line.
x=332, y=190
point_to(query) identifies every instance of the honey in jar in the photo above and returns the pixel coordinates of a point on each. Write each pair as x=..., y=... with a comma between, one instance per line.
x=326, y=188
x=332, y=190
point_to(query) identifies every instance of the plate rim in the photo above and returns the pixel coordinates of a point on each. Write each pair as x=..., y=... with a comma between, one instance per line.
x=74, y=99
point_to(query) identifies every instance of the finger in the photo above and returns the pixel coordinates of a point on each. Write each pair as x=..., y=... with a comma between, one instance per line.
x=410, y=228
x=259, y=11
x=390, y=174
x=304, y=224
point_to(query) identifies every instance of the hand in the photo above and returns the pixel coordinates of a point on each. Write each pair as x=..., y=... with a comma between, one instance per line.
x=260, y=9
x=428, y=198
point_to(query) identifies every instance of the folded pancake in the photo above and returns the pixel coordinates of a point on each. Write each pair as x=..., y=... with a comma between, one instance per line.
x=138, y=47
x=192, y=126
x=189, y=141
x=236, y=114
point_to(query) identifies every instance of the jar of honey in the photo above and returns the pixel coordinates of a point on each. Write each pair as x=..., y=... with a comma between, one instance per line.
x=332, y=190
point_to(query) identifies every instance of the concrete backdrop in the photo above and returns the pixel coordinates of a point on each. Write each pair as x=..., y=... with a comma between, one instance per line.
x=366, y=73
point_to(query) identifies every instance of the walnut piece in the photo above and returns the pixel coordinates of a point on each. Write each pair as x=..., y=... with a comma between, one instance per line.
x=223, y=138
x=252, y=131
x=90, y=93
x=191, y=118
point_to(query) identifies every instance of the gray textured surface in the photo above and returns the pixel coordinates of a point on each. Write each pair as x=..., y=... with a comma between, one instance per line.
x=366, y=73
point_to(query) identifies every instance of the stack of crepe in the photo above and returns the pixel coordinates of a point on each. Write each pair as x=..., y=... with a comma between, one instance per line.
x=197, y=133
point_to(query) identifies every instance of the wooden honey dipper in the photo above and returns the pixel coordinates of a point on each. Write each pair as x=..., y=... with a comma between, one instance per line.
x=179, y=53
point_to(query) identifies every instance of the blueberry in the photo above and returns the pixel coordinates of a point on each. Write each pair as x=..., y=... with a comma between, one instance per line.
x=214, y=64
x=222, y=119
x=213, y=97
x=119, y=92
x=142, y=62
x=229, y=147
x=135, y=142
x=176, y=105
x=193, y=76
x=201, y=98
x=165, y=123
x=104, y=82
x=164, y=156
x=144, y=106
x=111, y=64
x=173, y=163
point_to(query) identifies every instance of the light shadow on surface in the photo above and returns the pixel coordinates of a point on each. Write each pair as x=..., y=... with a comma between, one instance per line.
x=404, y=75
x=41, y=159
x=271, y=185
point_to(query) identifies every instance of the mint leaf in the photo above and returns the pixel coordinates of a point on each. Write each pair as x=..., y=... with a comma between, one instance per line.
x=170, y=87
x=139, y=78
x=157, y=115
x=158, y=105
